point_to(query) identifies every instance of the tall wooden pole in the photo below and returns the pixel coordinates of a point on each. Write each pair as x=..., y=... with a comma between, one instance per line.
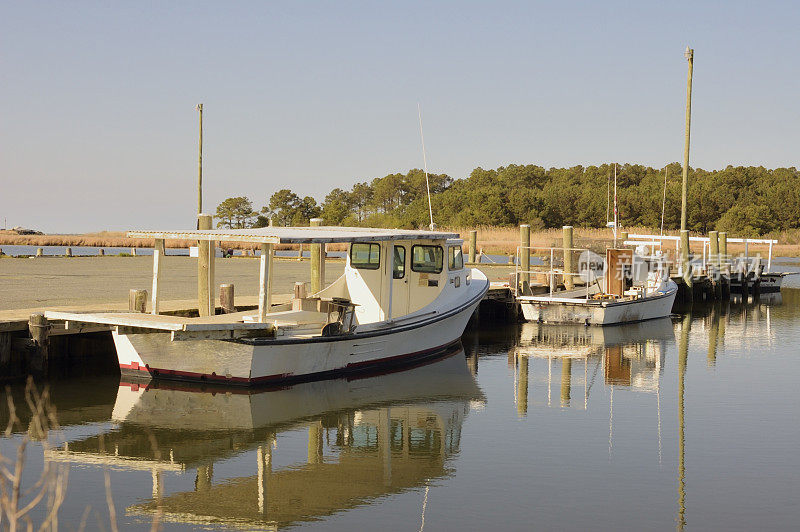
x=685, y=184
x=200, y=164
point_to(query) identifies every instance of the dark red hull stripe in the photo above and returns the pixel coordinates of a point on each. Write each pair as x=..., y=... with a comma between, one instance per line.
x=352, y=368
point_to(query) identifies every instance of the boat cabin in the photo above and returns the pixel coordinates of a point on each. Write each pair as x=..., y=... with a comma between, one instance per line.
x=390, y=274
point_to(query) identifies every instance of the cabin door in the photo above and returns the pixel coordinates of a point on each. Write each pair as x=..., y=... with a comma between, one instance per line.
x=400, y=286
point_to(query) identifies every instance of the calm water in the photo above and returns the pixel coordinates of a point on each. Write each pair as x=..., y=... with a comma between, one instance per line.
x=688, y=423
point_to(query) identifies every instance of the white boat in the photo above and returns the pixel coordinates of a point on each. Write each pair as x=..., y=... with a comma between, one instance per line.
x=608, y=301
x=404, y=296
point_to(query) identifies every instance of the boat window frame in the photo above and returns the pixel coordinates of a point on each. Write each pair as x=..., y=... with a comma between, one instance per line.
x=451, y=254
x=365, y=265
x=427, y=270
x=394, y=270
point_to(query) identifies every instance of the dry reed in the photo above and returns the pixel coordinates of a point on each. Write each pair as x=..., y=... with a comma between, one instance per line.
x=46, y=495
x=491, y=239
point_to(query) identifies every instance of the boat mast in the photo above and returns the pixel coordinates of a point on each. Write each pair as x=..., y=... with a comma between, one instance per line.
x=425, y=166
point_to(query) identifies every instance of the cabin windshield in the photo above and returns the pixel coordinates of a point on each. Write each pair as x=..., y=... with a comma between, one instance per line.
x=365, y=256
x=455, y=258
x=427, y=259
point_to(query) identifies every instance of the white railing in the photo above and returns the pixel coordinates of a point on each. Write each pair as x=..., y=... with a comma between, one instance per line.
x=653, y=240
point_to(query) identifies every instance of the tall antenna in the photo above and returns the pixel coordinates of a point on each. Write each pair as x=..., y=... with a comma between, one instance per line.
x=664, y=200
x=425, y=165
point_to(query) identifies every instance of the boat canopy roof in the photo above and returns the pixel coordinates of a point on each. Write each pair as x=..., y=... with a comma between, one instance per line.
x=297, y=235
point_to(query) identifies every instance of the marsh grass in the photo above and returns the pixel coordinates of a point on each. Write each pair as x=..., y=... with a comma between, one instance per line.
x=491, y=239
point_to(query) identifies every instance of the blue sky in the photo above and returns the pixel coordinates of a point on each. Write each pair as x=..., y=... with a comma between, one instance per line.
x=98, y=128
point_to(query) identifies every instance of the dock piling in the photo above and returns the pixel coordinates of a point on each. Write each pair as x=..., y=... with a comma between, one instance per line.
x=569, y=267
x=226, y=298
x=39, y=252
x=39, y=329
x=686, y=267
x=714, y=267
x=206, y=255
x=68, y=252
x=473, y=245
x=137, y=300
x=525, y=257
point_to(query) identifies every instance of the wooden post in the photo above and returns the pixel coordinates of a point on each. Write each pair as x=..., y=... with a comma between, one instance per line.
x=200, y=166
x=39, y=252
x=569, y=267
x=300, y=290
x=101, y=252
x=317, y=269
x=525, y=258
x=68, y=252
x=714, y=267
x=158, y=260
x=133, y=252
x=300, y=252
x=689, y=54
x=723, y=245
x=265, y=282
x=623, y=237
x=473, y=245
x=39, y=330
x=686, y=269
x=226, y=299
x=137, y=300
x=206, y=255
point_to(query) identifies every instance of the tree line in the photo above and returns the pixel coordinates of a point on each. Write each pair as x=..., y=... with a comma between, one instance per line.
x=746, y=201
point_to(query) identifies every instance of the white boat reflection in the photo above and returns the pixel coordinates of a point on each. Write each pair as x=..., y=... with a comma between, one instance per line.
x=367, y=438
x=630, y=355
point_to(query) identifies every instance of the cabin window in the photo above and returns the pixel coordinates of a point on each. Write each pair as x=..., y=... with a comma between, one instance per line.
x=399, y=270
x=365, y=256
x=427, y=259
x=456, y=258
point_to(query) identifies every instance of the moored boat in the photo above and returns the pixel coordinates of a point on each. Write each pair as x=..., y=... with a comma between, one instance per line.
x=615, y=299
x=404, y=296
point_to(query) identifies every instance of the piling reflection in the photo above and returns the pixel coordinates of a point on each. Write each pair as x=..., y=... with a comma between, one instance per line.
x=366, y=438
x=631, y=356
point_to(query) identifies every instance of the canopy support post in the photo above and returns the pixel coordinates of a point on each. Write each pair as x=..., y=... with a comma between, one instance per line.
x=265, y=282
x=390, y=266
x=158, y=260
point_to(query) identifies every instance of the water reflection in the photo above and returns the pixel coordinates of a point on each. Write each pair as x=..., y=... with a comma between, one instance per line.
x=631, y=356
x=590, y=401
x=367, y=438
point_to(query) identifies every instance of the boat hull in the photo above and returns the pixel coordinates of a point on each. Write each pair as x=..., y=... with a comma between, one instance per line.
x=267, y=361
x=611, y=313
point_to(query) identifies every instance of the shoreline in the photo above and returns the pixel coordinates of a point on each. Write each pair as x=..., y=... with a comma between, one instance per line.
x=491, y=240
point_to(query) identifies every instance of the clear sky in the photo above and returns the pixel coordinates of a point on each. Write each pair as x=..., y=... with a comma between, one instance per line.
x=98, y=128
